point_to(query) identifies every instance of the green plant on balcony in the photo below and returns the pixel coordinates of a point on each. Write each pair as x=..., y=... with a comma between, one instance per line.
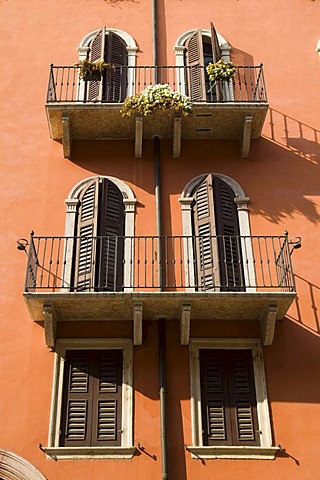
x=92, y=70
x=221, y=71
x=155, y=98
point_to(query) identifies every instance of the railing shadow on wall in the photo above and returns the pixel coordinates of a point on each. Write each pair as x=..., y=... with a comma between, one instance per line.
x=311, y=300
x=298, y=137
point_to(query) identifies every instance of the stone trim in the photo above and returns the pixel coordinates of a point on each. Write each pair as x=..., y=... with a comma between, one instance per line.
x=12, y=466
x=129, y=201
x=261, y=394
x=126, y=449
x=241, y=200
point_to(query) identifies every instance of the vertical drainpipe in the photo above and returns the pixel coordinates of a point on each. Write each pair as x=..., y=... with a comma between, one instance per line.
x=162, y=324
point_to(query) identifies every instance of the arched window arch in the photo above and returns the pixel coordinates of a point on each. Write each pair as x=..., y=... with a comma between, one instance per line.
x=117, y=48
x=14, y=467
x=194, y=49
x=99, y=224
x=217, y=231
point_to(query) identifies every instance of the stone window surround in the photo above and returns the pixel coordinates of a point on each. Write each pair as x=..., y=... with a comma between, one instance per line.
x=129, y=201
x=180, y=49
x=132, y=50
x=126, y=450
x=241, y=201
x=12, y=466
x=265, y=451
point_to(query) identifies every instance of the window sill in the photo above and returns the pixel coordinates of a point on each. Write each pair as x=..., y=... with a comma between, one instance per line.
x=254, y=453
x=75, y=453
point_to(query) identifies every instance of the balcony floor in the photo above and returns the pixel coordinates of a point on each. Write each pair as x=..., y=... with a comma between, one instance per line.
x=83, y=121
x=264, y=307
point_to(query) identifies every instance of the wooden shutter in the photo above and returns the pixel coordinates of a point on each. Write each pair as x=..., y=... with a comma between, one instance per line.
x=110, y=247
x=229, y=245
x=116, y=80
x=106, y=425
x=95, y=87
x=91, y=406
x=228, y=400
x=85, y=264
x=196, y=72
x=216, y=56
x=205, y=240
x=75, y=429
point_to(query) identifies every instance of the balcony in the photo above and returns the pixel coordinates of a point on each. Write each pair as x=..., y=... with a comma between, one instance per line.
x=223, y=110
x=136, y=278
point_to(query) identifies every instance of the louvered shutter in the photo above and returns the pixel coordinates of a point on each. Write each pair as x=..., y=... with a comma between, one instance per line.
x=106, y=420
x=205, y=240
x=214, y=398
x=110, y=246
x=216, y=56
x=77, y=401
x=229, y=245
x=228, y=400
x=91, y=406
x=95, y=87
x=115, y=86
x=85, y=246
x=196, y=72
x=243, y=403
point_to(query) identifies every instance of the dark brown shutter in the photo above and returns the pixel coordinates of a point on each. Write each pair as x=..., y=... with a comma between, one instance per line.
x=91, y=407
x=95, y=87
x=110, y=246
x=229, y=245
x=243, y=403
x=195, y=64
x=228, y=400
x=205, y=231
x=107, y=399
x=216, y=55
x=115, y=80
x=77, y=400
x=85, y=264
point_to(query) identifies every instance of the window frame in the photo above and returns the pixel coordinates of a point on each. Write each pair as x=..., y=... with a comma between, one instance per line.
x=126, y=450
x=197, y=449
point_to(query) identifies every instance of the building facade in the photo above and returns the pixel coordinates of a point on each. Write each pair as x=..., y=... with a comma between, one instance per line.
x=161, y=319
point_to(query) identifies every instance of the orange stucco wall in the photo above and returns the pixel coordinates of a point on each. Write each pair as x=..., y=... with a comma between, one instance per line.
x=281, y=177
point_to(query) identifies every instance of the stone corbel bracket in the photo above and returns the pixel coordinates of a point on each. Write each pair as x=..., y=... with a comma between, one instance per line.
x=50, y=324
x=177, y=119
x=137, y=323
x=138, y=136
x=185, y=323
x=245, y=140
x=66, y=136
x=268, y=323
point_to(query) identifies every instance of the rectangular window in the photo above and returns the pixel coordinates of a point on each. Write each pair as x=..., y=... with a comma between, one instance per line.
x=91, y=403
x=92, y=400
x=229, y=405
x=228, y=399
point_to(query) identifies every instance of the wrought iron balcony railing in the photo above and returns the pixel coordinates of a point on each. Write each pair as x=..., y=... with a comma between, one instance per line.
x=168, y=263
x=246, y=86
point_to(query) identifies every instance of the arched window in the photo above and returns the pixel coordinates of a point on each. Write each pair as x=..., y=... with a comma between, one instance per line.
x=215, y=217
x=114, y=47
x=100, y=222
x=195, y=49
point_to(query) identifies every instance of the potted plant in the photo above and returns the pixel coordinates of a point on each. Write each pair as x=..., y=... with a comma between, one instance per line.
x=92, y=70
x=221, y=71
x=155, y=98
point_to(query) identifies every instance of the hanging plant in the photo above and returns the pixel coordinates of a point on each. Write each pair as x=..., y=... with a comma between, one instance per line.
x=92, y=70
x=154, y=98
x=221, y=71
